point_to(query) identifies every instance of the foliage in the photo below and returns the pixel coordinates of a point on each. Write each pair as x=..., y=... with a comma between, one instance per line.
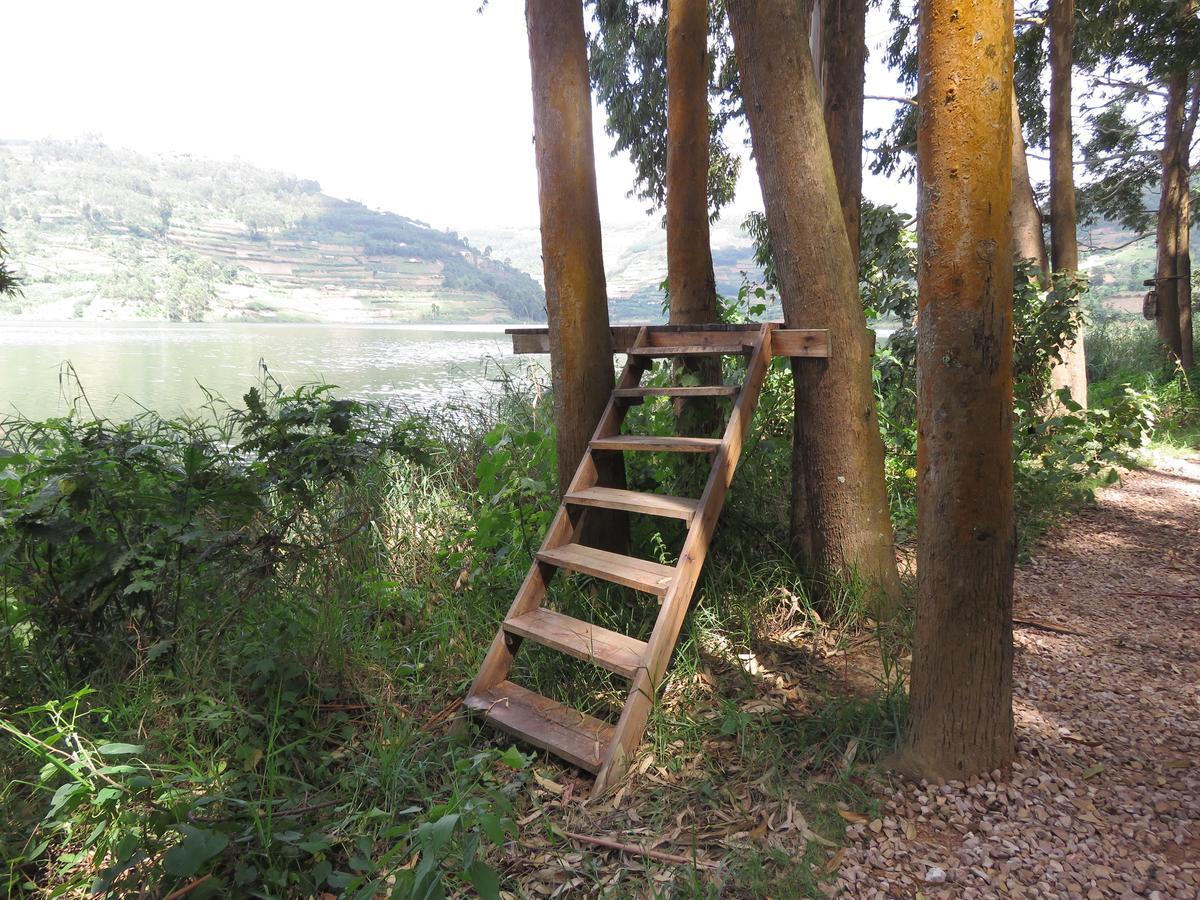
x=9, y=283
x=105, y=527
x=627, y=62
x=130, y=822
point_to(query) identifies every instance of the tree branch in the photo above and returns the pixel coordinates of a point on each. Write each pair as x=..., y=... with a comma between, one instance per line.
x=1092, y=248
x=909, y=100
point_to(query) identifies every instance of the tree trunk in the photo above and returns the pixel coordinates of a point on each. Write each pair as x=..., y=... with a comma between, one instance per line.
x=843, y=48
x=841, y=524
x=691, y=285
x=576, y=295
x=690, y=281
x=1169, y=203
x=1183, y=237
x=1028, y=238
x=961, y=698
x=1071, y=372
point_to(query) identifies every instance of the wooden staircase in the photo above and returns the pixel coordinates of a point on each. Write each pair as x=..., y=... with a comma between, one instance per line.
x=586, y=741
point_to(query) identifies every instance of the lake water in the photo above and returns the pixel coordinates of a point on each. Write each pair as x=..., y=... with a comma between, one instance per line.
x=124, y=367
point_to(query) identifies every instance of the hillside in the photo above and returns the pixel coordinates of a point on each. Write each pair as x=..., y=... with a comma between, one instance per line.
x=101, y=233
x=635, y=258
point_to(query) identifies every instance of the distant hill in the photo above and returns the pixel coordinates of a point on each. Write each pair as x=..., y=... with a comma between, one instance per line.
x=101, y=233
x=635, y=260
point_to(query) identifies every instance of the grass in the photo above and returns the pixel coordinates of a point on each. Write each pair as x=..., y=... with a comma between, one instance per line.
x=296, y=729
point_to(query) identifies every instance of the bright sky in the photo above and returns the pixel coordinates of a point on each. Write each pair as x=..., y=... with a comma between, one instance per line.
x=418, y=106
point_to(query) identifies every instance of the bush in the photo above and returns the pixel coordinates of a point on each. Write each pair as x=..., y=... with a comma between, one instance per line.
x=106, y=527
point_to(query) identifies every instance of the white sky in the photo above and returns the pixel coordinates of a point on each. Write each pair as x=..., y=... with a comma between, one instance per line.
x=418, y=106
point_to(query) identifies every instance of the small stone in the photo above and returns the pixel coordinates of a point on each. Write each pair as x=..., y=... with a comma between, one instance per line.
x=936, y=875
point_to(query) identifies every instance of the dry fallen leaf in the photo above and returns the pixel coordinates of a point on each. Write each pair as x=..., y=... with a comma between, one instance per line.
x=759, y=831
x=852, y=817
x=834, y=863
x=552, y=786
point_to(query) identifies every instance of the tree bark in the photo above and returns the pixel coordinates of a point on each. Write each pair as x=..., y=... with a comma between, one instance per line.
x=1071, y=372
x=843, y=48
x=572, y=256
x=841, y=524
x=691, y=285
x=690, y=282
x=1183, y=237
x=961, y=698
x=1169, y=203
x=1028, y=238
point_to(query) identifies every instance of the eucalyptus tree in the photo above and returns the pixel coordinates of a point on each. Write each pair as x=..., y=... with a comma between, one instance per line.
x=572, y=253
x=840, y=510
x=1032, y=128
x=961, y=695
x=831, y=472
x=1142, y=58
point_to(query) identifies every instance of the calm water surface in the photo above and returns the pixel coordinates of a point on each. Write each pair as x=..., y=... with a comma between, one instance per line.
x=126, y=366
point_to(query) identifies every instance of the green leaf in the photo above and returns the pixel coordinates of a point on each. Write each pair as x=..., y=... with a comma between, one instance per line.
x=63, y=796
x=493, y=827
x=117, y=749
x=484, y=879
x=197, y=847
x=321, y=871
x=434, y=835
x=513, y=758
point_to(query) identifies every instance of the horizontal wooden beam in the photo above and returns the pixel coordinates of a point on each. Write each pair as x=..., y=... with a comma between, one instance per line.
x=793, y=342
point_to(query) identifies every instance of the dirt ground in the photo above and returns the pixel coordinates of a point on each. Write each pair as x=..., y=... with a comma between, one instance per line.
x=1104, y=797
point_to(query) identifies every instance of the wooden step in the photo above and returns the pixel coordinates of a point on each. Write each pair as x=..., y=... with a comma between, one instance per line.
x=608, y=649
x=689, y=350
x=651, y=443
x=640, y=574
x=575, y=736
x=707, y=390
x=663, y=505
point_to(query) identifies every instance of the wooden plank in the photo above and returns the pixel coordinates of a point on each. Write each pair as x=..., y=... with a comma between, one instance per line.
x=632, y=724
x=640, y=574
x=569, y=733
x=610, y=650
x=811, y=342
x=634, y=501
x=721, y=340
x=703, y=390
x=793, y=342
x=673, y=350
x=537, y=340
x=650, y=443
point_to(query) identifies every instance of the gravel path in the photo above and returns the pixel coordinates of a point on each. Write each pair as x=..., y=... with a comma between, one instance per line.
x=1104, y=797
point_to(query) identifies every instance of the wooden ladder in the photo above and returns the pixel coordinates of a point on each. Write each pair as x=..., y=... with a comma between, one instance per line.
x=582, y=739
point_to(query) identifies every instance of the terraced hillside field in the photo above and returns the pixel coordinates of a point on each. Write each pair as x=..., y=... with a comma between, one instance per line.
x=110, y=234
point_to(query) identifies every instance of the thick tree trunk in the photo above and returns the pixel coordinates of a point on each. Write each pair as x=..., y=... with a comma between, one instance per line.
x=690, y=281
x=1169, y=203
x=1028, y=238
x=1071, y=372
x=841, y=522
x=843, y=48
x=691, y=285
x=961, y=700
x=576, y=295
